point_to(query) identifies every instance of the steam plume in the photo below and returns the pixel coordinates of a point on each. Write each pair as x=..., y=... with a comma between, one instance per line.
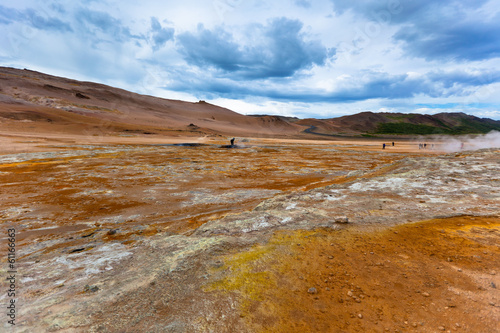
x=454, y=144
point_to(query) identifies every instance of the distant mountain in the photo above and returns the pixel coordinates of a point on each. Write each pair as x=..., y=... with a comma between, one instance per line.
x=41, y=103
x=401, y=123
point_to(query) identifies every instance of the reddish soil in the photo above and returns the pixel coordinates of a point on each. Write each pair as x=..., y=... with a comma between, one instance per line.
x=437, y=275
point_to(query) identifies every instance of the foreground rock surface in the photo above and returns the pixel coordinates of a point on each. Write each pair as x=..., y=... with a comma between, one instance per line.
x=251, y=269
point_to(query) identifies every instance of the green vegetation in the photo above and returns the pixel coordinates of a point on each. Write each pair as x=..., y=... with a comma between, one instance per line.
x=407, y=128
x=400, y=116
x=467, y=126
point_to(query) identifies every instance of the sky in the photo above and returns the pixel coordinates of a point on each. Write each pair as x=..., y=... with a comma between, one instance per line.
x=303, y=58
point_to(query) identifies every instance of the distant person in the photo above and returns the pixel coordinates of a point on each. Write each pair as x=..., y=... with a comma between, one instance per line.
x=425, y=145
x=383, y=146
x=232, y=142
x=393, y=143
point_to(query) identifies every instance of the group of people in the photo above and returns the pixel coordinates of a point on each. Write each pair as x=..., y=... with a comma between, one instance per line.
x=384, y=145
x=425, y=146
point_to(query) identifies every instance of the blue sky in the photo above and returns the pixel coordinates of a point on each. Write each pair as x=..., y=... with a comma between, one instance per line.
x=305, y=58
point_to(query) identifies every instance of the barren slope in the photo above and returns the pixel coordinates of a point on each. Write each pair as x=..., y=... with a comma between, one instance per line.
x=42, y=100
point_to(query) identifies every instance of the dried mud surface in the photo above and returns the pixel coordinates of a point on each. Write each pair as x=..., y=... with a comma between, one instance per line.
x=173, y=238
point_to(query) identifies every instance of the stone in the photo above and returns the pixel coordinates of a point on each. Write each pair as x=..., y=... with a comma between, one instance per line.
x=312, y=290
x=89, y=288
x=341, y=219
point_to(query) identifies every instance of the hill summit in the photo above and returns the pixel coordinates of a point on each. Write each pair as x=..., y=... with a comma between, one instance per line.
x=37, y=102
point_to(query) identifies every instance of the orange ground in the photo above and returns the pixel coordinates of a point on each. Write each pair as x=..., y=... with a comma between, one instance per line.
x=430, y=276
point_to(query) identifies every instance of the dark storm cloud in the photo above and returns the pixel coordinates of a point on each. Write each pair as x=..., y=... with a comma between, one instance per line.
x=211, y=48
x=434, y=30
x=278, y=49
x=35, y=18
x=160, y=35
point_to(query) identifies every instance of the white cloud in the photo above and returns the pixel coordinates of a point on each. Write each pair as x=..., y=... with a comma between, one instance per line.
x=343, y=57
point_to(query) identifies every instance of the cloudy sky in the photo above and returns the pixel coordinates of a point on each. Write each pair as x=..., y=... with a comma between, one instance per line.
x=306, y=58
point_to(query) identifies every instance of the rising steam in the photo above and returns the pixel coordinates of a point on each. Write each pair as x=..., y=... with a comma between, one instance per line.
x=454, y=144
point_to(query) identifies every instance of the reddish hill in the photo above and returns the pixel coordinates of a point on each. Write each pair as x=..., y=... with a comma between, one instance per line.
x=63, y=104
x=39, y=103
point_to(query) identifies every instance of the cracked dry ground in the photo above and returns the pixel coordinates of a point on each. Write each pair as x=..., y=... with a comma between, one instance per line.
x=129, y=238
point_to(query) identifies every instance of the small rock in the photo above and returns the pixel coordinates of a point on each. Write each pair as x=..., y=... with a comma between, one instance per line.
x=341, y=219
x=312, y=290
x=54, y=328
x=360, y=316
x=349, y=293
x=441, y=328
x=92, y=289
x=425, y=294
x=80, y=95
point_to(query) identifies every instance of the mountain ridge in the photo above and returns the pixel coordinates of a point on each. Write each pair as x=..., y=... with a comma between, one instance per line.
x=34, y=97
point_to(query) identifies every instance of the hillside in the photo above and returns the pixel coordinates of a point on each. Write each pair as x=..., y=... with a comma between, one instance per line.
x=401, y=123
x=39, y=103
x=43, y=103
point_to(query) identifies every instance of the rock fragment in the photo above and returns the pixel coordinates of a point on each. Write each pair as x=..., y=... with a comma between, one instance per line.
x=341, y=219
x=91, y=289
x=312, y=291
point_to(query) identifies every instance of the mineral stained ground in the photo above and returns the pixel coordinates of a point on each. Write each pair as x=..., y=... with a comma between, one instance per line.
x=200, y=238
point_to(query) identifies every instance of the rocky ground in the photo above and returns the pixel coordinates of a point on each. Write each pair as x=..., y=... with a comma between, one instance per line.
x=277, y=237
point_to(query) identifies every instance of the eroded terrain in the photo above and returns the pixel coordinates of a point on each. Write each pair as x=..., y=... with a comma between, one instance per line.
x=197, y=238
